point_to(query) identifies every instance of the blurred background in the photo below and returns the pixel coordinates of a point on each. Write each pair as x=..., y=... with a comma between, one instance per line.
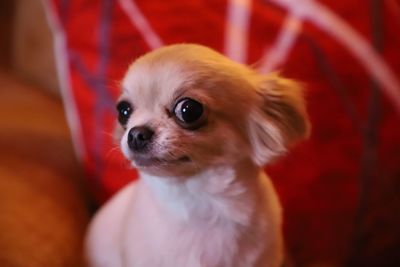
x=60, y=63
x=42, y=201
x=26, y=43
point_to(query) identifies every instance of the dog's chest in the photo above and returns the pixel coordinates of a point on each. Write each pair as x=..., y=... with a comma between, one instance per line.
x=152, y=238
x=180, y=247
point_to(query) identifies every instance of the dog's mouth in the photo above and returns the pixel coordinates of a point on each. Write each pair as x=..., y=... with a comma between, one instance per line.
x=143, y=161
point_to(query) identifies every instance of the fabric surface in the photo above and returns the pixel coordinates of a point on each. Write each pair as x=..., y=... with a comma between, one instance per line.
x=340, y=189
x=43, y=206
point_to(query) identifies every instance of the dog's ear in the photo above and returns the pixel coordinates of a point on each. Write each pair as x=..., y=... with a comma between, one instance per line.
x=278, y=120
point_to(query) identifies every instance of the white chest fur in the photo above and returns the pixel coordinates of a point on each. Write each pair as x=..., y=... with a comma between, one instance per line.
x=216, y=219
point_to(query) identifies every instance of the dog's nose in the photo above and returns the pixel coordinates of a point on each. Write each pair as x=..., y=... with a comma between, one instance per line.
x=139, y=138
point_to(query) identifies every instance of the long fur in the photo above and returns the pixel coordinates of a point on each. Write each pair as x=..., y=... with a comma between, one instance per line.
x=218, y=209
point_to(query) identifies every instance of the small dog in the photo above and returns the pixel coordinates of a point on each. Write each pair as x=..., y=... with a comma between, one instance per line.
x=198, y=127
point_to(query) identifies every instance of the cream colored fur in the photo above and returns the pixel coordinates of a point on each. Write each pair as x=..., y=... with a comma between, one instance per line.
x=217, y=209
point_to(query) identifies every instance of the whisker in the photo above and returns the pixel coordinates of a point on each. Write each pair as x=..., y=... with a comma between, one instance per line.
x=111, y=151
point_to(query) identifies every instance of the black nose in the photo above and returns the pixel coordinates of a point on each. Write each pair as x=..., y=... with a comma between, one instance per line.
x=139, y=138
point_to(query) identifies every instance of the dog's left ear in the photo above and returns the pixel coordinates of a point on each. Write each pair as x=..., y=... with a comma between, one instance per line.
x=278, y=120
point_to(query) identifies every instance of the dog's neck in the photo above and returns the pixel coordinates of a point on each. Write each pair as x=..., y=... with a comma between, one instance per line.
x=221, y=192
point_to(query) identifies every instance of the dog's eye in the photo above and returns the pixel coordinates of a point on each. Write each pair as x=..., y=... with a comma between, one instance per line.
x=124, y=112
x=188, y=112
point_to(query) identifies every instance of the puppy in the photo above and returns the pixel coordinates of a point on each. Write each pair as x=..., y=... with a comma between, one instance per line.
x=199, y=128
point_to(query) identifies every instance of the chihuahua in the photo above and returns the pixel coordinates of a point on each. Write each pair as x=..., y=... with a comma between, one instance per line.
x=199, y=128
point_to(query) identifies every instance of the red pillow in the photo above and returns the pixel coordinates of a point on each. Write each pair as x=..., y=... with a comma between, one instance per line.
x=347, y=54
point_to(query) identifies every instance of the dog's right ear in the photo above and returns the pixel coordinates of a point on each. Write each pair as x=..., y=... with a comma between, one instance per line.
x=279, y=120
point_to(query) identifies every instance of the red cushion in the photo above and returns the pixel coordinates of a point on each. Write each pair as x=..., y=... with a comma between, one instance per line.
x=355, y=143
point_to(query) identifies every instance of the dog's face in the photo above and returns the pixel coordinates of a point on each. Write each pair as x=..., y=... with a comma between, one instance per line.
x=185, y=108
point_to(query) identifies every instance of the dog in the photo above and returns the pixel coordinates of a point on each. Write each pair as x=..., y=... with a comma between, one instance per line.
x=199, y=128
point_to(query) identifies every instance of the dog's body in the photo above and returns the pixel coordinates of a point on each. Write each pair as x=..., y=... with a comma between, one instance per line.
x=196, y=126
x=196, y=224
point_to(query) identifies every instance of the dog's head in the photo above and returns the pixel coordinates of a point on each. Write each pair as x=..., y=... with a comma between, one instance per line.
x=185, y=108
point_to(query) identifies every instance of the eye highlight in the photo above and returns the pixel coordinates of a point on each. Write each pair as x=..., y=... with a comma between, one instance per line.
x=189, y=113
x=124, y=109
